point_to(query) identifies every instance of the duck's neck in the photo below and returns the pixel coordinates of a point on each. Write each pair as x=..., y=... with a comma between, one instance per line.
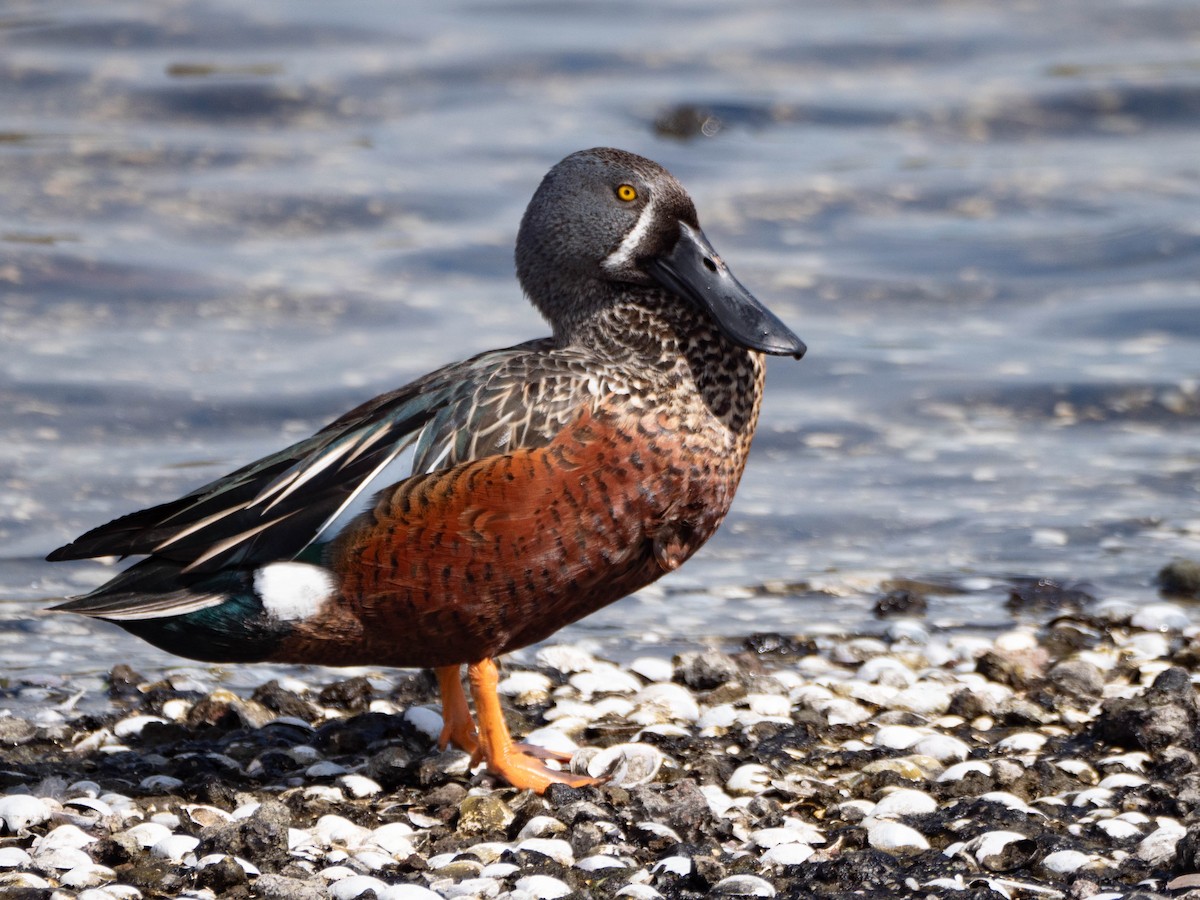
x=681, y=348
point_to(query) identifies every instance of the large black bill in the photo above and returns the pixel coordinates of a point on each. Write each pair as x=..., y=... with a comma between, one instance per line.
x=694, y=270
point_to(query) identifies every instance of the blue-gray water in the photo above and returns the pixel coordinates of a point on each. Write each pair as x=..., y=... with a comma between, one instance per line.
x=221, y=224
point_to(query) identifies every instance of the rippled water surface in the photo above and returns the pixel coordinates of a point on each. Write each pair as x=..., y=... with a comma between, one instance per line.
x=221, y=224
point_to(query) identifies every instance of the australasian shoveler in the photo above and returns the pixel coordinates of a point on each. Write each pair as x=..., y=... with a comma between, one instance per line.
x=490, y=503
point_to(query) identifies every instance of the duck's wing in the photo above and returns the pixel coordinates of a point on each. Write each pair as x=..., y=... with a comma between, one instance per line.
x=274, y=508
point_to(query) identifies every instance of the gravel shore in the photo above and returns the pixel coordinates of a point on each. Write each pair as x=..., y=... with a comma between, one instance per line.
x=1059, y=759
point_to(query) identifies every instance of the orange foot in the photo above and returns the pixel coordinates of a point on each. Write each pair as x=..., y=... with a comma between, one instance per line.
x=457, y=728
x=519, y=764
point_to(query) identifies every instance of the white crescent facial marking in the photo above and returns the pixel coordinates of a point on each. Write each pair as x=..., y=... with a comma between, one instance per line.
x=292, y=591
x=621, y=257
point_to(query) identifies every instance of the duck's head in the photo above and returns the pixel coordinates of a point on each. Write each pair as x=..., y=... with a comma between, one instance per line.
x=604, y=220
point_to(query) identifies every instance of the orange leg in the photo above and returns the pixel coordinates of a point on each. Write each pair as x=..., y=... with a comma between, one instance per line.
x=458, y=728
x=515, y=765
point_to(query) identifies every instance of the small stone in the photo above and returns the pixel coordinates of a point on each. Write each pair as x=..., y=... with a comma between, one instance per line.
x=541, y=826
x=13, y=858
x=282, y=887
x=599, y=863
x=133, y=725
x=904, y=802
x=543, y=887
x=638, y=892
x=652, y=668
x=60, y=858
x=565, y=658
x=484, y=814
x=338, y=831
x=1022, y=742
x=891, y=836
x=394, y=838
x=1160, y=617
x=526, y=687
x=355, y=886
x=662, y=702
x=1180, y=578
x=924, y=698
x=898, y=737
x=752, y=778
x=942, y=747
x=743, y=886
x=1002, y=851
x=1158, y=847
x=672, y=865
x=425, y=720
x=147, y=834
x=19, y=811
x=1118, y=829
x=174, y=847
x=1076, y=678
x=787, y=854
x=1064, y=862
x=87, y=875
x=705, y=670
x=160, y=784
x=627, y=764
x=961, y=770
x=554, y=848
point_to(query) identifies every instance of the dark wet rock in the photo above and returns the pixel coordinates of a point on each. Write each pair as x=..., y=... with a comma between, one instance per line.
x=681, y=806
x=1020, y=669
x=1180, y=578
x=262, y=837
x=1076, y=678
x=901, y=603
x=769, y=643
x=225, y=878
x=1166, y=713
x=123, y=681
x=226, y=711
x=1047, y=596
x=284, y=702
x=353, y=694
x=705, y=670
x=485, y=817
x=968, y=704
x=15, y=731
x=281, y=887
x=391, y=766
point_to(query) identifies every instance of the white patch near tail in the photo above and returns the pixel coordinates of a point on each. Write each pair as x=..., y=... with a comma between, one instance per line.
x=292, y=591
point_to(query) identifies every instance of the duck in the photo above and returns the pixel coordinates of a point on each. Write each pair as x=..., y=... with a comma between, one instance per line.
x=490, y=503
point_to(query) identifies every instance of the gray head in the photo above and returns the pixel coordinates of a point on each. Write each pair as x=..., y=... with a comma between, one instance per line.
x=605, y=223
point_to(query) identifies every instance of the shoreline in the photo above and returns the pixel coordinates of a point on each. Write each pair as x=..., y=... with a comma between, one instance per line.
x=1056, y=761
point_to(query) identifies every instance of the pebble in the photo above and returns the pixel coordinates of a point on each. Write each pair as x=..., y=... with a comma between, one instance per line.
x=904, y=802
x=942, y=747
x=752, y=778
x=652, y=668
x=663, y=702
x=543, y=887
x=554, y=848
x=21, y=811
x=174, y=847
x=13, y=857
x=727, y=783
x=898, y=737
x=744, y=886
x=894, y=836
x=1064, y=862
x=627, y=765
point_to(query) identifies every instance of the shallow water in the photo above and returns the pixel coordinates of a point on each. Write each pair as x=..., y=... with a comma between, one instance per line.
x=221, y=225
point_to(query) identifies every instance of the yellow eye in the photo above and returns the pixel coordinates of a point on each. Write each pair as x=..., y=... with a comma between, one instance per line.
x=627, y=193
